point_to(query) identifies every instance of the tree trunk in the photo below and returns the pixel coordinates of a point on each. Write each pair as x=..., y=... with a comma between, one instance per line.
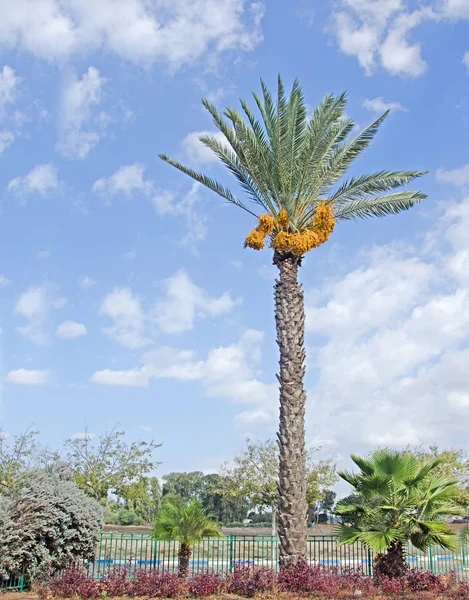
x=274, y=520
x=184, y=555
x=290, y=323
x=391, y=563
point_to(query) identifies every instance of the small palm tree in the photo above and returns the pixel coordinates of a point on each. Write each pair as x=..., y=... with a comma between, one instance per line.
x=395, y=500
x=291, y=167
x=186, y=522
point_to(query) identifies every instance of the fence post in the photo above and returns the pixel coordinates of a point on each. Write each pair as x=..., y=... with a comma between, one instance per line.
x=463, y=552
x=230, y=545
x=430, y=555
x=370, y=563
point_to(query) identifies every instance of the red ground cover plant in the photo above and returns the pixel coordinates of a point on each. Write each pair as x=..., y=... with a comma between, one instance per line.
x=292, y=583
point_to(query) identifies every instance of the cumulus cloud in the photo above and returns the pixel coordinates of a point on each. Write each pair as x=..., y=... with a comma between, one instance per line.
x=41, y=181
x=35, y=305
x=185, y=207
x=143, y=32
x=227, y=372
x=196, y=152
x=184, y=301
x=70, y=329
x=4, y=281
x=378, y=32
x=81, y=124
x=465, y=60
x=125, y=309
x=458, y=177
x=127, y=180
x=28, y=377
x=390, y=368
x=9, y=130
x=379, y=105
x=181, y=303
x=85, y=282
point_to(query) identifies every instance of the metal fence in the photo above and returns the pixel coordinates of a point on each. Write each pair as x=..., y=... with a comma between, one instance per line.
x=14, y=583
x=140, y=551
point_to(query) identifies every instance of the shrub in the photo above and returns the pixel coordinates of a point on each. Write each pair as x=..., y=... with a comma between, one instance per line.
x=248, y=581
x=72, y=582
x=305, y=578
x=205, y=584
x=46, y=524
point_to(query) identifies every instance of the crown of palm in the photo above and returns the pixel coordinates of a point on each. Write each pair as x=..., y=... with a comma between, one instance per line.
x=289, y=164
x=398, y=499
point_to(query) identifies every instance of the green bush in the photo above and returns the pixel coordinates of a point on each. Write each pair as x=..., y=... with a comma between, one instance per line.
x=45, y=524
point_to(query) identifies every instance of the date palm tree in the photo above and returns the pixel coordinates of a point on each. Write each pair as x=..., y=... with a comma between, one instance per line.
x=186, y=522
x=291, y=165
x=397, y=500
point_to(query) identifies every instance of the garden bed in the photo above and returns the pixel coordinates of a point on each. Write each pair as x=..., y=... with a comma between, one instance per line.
x=301, y=581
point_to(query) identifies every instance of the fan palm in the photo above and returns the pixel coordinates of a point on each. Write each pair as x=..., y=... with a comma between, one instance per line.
x=186, y=522
x=396, y=499
x=291, y=167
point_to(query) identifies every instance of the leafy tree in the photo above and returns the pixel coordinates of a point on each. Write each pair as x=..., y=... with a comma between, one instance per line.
x=109, y=464
x=188, y=523
x=143, y=497
x=396, y=499
x=290, y=165
x=324, y=505
x=452, y=462
x=254, y=475
x=45, y=523
x=18, y=455
x=184, y=485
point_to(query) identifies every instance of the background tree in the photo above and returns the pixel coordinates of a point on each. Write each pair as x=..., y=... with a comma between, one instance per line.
x=452, y=463
x=186, y=522
x=254, y=475
x=109, y=463
x=324, y=505
x=290, y=165
x=396, y=499
x=18, y=454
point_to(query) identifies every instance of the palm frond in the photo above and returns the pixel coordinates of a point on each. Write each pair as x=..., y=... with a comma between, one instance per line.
x=380, y=206
x=212, y=184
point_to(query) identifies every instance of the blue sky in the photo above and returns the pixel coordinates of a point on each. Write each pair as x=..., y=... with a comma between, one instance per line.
x=126, y=295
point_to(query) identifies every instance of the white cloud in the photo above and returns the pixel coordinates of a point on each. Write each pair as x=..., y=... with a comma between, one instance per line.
x=174, y=33
x=125, y=309
x=197, y=152
x=454, y=9
x=184, y=302
x=43, y=254
x=127, y=180
x=28, y=377
x=120, y=378
x=9, y=83
x=81, y=126
x=35, y=305
x=145, y=428
x=70, y=329
x=465, y=60
x=379, y=105
x=392, y=344
x=377, y=32
x=4, y=281
x=166, y=203
x=86, y=282
x=227, y=372
x=41, y=181
x=458, y=177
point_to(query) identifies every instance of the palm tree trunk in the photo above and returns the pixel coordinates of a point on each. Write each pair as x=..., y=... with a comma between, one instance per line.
x=391, y=563
x=290, y=323
x=184, y=555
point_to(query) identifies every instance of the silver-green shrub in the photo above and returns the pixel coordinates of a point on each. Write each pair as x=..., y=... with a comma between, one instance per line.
x=45, y=524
